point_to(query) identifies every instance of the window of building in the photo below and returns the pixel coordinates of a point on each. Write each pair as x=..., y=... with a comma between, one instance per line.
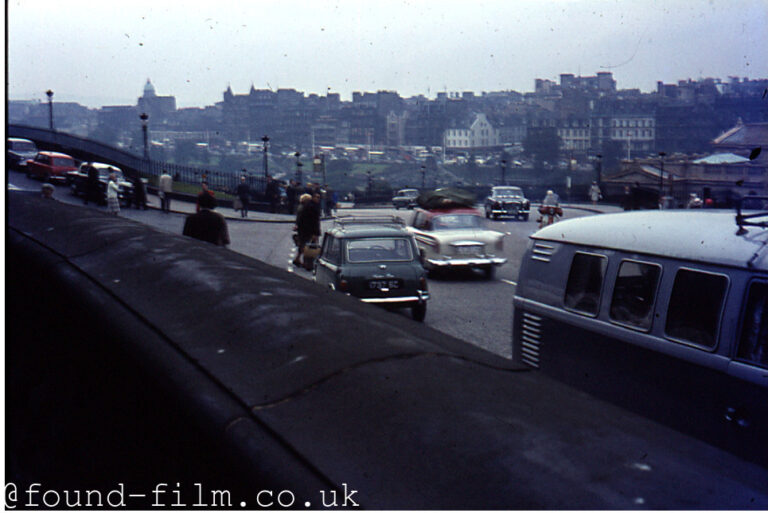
x=693, y=314
x=634, y=293
x=753, y=344
x=585, y=281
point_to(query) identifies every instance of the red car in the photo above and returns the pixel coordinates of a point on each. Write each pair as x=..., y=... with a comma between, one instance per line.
x=51, y=166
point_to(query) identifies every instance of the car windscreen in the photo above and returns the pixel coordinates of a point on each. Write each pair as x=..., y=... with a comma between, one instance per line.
x=408, y=193
x=104, y=173
x=379, y=249
x=456, y=222
x=23, y=146
x=508, y=192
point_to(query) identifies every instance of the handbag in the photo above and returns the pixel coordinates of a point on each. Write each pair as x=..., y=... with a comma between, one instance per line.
x=311, y=252
x=237, y=204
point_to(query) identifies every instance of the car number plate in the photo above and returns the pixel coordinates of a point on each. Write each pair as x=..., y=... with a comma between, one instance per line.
x=384, y=284
x=468, y=250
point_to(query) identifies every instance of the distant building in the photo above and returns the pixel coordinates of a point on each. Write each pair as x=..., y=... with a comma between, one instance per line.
x=472, y=134
x=158, y=108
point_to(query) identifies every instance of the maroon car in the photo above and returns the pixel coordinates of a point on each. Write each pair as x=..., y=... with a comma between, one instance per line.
x=51, y=166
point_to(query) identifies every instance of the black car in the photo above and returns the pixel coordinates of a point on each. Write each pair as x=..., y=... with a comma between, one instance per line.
x=376, y=260
x=405, y=198
x=506, y=200
x=78, y=181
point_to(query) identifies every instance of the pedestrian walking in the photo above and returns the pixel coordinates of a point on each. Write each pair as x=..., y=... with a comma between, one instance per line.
x=47, y=191
x=307, y=224
x=205, y=191
x=164, y=189
x=92, y=188
x=594, y=193
x=243, y=193
x=113, y=199
x=139, y=193
x=272, y=192
x=207, y=225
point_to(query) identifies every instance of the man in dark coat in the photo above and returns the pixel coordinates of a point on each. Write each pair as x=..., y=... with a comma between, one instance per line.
x=243, y=192
x=207, y=225
x=307, y=223
x=92, y=187
x=272, y=192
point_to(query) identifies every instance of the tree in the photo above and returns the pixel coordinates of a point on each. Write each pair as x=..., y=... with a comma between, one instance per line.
x=543, y=144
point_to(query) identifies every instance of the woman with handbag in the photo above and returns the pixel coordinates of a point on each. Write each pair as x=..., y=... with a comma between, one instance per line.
x=307, y=225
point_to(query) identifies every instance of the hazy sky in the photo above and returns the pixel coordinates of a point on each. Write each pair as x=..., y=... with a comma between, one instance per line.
x=101, y=53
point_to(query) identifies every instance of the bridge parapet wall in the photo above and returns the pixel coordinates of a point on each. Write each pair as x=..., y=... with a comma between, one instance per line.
x=140, y=357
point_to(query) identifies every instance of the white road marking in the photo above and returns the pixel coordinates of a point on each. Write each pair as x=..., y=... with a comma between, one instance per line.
x=509, y=282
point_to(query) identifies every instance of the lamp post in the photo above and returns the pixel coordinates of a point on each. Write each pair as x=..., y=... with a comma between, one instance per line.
x=503, y=172
x=661, y=180
x=423, y=177
x=265, y=139
x=599, y=170
x=49, y=93
x=298, y=167
x=319, y=163
x=144, y=117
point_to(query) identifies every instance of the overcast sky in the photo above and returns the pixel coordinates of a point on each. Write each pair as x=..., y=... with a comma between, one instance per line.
x=101, y=53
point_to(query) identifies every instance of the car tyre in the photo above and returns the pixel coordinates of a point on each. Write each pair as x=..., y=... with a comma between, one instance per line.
x=524, y=217
x=490, y=272
x=487, y=213
x=419, y=311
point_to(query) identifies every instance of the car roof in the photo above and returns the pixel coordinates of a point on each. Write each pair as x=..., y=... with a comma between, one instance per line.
x=507, y=187
x=707, y=236
x=441, y=211
x=56, y=154
x=19, y=139
x=368, y=230
x=101, y=165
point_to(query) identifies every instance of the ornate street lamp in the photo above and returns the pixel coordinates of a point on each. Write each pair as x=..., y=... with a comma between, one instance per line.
x=49, y=93
x=265, y=139
x=503, y=172
x=144, y=117
x=661, y=179
x=298, y=167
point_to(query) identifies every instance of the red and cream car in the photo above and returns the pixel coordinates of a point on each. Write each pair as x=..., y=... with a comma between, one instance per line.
x=455, y=238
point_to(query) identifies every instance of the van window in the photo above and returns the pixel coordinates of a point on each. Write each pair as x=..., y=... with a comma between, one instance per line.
x=753, y=344
x=585, y=280
x=694, y=307
x=633, y=294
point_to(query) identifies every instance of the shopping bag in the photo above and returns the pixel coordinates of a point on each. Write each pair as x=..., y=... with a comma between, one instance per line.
x=237, y=204
x=311, y=252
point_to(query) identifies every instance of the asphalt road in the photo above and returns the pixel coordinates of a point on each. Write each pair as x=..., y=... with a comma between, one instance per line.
x=465, y=305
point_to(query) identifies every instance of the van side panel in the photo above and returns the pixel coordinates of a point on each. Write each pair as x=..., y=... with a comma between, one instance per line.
x=685, y=387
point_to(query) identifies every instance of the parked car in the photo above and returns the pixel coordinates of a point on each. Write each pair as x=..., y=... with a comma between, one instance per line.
x=376, y=260
x=18, y=152
x=455, y=238
x=405, y=198
x=51, y=166
x=78, y=181
x=507, y=201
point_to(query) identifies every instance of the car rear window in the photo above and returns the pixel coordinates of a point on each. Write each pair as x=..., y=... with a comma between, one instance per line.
x=23, y=146
x=456, y=221
x=396, y=249
x=695, y=306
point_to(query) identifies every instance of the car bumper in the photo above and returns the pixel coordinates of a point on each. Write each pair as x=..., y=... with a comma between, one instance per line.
x=420, y=297
x=466, y=262
x=58, y=178
x=509, y=211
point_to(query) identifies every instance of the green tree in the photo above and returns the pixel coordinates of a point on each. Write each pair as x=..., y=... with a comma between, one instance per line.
x=542, y=144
